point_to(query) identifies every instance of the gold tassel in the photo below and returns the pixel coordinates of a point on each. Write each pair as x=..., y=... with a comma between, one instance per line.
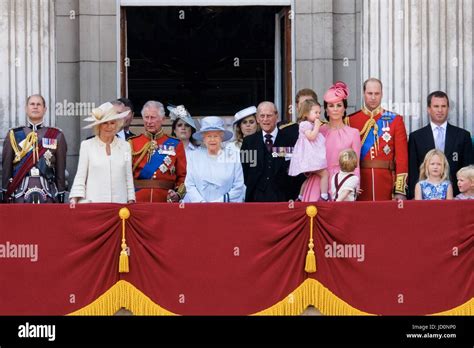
x=124, y=214
x=310, y=266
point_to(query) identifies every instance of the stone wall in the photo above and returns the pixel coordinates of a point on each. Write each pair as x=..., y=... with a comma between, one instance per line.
x=328, y=46
x=86, y=45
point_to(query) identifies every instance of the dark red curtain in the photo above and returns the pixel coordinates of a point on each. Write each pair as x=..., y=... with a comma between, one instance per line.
x=238, y=259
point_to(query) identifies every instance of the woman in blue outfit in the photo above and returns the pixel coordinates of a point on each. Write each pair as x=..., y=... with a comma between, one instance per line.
x=213, y=174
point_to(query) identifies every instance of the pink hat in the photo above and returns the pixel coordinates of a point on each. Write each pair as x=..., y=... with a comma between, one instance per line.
x=336, y=93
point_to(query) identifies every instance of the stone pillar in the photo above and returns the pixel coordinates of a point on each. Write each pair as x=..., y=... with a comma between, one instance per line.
x=416, y=47
x=86, y=64
x=314, y=45
x=27, y=59
x=98, y=52
x=327, y=46
x=68, y=78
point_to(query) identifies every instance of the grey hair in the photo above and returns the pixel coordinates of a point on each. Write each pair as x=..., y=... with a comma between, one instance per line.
x=264, y=103
x=152, y=104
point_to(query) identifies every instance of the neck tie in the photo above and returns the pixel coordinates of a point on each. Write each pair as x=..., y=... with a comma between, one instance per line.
x=439, y=138
x=268, y=142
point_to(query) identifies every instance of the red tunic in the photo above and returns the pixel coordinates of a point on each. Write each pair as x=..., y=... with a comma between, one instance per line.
x=170, y=175
x=384, y=168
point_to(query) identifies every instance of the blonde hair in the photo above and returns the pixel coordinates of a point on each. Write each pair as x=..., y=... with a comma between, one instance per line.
x=424, y=165
x=118, y=126
x=306, y=109
x=348, y=160
x=467, y=172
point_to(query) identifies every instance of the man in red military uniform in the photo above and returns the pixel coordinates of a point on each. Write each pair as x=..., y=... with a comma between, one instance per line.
x=384, y=152
x=159, y=161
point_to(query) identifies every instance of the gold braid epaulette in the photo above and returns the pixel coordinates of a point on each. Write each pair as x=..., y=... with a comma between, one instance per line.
x=31, y=141
x=366, y=130
x=142, y=152
x=364, y=133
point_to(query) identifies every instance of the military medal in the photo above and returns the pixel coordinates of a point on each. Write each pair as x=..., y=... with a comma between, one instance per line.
x=172, y=170
x=386, y=149
x=163, y=168
x=386, y=137
x=47, y=156
x=153, y=147
x=274, y=152
x=34, y=172
x=168, y=150
x=386, y=129
x=49, y=143
x=167, y=160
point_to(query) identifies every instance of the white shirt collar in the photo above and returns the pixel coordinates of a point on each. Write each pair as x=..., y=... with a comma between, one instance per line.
x=434, y=126
x=121, y=134
x=35, y=126
x=274, y=134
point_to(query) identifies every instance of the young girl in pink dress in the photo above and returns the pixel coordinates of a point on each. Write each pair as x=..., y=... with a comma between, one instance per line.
x=309, y=154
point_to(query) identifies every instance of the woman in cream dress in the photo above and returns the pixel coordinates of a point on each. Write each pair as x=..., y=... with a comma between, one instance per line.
x=104, y=173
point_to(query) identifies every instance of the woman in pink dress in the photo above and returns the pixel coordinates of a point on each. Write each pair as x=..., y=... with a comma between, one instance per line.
x=338, y=137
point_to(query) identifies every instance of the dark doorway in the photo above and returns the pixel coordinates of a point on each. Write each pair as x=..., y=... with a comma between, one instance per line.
x=214, y=60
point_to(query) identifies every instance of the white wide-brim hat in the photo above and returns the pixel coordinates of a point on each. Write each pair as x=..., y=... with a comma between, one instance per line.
x=181, y=112
x=212, y=123
x=104, y=113
x=251, y=110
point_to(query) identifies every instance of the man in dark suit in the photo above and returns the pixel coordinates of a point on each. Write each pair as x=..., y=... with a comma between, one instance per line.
x=267, y=180
x=455, y=142
x=124, y=104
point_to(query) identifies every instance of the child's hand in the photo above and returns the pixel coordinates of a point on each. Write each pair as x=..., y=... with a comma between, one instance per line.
x=317, y=122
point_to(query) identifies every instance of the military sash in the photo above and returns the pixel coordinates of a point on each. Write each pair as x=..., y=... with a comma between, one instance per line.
x=157, y=159
x=387, y=116
x=26, y=163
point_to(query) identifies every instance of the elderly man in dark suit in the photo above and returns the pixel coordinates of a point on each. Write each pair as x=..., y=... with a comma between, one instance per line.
x=455, y=142
x=267, y=180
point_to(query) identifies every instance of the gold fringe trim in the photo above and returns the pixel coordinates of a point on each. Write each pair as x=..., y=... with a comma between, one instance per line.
x=311, y=293
x=464, y=309
x=122, y=294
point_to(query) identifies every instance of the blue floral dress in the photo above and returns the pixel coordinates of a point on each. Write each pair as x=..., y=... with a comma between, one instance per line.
x=431, y=191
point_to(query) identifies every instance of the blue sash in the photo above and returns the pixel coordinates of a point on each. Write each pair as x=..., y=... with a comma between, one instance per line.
x=387, y=116
x=19, y=137
x=156, y=160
